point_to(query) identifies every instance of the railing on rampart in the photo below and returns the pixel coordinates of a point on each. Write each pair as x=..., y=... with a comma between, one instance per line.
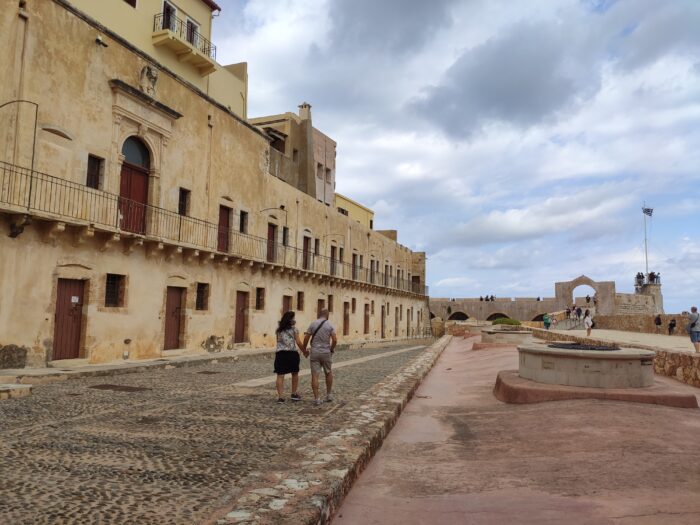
x=26, y=191
x=186, y=32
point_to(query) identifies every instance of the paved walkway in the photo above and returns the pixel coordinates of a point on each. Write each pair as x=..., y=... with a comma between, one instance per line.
x=163, y=446
x=673, y=342
x=459, y=456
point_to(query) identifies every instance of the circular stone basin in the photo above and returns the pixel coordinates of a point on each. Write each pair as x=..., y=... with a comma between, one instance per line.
x=579, y=346
x=599, y=368
x=510, y=337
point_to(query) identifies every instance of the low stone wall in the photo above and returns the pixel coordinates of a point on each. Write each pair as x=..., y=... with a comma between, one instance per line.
x=642, y=323
x=684, y=367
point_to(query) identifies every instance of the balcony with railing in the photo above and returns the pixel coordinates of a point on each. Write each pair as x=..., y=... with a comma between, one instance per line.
x=184, y=38
x=49, y=198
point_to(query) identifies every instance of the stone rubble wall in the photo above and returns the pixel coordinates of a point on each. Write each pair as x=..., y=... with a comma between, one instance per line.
x=641, y=323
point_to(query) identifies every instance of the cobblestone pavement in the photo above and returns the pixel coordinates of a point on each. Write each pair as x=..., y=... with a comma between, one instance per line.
x=163, y=446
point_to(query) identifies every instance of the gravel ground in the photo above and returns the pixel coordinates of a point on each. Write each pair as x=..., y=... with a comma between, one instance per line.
x=164, y=446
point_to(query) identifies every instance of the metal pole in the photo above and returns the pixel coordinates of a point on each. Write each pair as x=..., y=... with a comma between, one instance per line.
x=646, y=253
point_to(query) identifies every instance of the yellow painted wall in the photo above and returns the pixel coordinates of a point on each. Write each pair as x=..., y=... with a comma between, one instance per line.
x=356, y=211
x=136, y=26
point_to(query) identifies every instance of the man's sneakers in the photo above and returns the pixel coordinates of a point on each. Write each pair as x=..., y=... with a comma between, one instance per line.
x=329, y=398
x=296, y=397
x=318, y=402
x=280, y=401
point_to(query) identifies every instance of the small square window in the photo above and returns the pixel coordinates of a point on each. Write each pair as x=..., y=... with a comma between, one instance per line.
x=202, y=302
x=95, y=170
x=300, y=301
x=260, y=298
x=183, y=203
x=243, y=224
x=114, y=290
x=354, y=305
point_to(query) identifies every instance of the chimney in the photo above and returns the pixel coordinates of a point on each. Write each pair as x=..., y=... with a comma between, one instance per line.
x=305, y=111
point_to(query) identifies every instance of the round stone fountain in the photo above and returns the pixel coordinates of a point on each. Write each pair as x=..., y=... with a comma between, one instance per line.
x=583, y=365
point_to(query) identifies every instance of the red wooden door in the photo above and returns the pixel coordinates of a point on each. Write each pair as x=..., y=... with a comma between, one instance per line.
x=306, y=253
x=241, y=328
x=271, y=243
x=70, y=294
x=286, y=303
x=366, y=318
x=346, y=318
x=224, y=229
x=383, y=322
x=133, y=197
x=174, y=302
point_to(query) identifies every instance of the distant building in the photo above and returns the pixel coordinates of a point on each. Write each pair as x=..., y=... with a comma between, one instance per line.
x=354, y=210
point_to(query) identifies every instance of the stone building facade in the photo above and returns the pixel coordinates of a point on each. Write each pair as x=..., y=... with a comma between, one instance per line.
x=140, y=217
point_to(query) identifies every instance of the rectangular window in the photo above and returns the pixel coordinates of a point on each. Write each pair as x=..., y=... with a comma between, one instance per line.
x=330, y=303
x=328, y=175
x=319, y=170
x=354, y=266
x=95, y=169
x=300, y=301
x=295, y=155
x=260, y=298
x=317, y=246
x=354, y=305
x=202, y=302
x=372, y=307
x=371, y=224
x=183, y=202
x=243, y=224
x=114, y=290
x=401, y=312
x=224, y=229
x=192, y=32
x=285, y=236
x=341, y=253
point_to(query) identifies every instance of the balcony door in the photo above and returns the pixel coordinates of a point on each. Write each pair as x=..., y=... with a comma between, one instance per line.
x=271, y=243
x=133, y=186
x=169, y=16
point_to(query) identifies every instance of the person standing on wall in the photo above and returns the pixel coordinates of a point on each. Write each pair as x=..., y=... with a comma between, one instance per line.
x=323, y=339
x=286, y=357
x=694, y=328
x=671, y=326
x=657, y=323
x=588, y=322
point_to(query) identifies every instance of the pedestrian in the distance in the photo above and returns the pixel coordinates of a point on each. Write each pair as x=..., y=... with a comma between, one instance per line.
x=658, y=323
x=588, y=299
x=578, y=312
x=671, y=326
x=694, y=328
x=547, y=321
x=588, y=322
x=322, y=338
x=287, y=357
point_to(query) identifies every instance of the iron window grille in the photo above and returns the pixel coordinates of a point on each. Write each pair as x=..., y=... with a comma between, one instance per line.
x=260, y=298
x=202, y=301
x=114, y=290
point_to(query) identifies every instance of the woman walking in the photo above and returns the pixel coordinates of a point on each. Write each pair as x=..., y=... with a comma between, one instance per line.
x=588, y=322
x=287, y=357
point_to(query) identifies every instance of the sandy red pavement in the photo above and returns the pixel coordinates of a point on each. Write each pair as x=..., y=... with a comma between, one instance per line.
x=457, y=455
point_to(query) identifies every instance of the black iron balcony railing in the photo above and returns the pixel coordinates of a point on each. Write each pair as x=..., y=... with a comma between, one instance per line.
x=25, y=191
x=186, y=31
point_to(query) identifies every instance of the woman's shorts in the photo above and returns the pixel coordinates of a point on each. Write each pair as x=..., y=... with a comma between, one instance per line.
x=286, y=362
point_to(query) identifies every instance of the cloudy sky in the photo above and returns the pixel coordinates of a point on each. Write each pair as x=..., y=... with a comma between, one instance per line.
x=514, y=142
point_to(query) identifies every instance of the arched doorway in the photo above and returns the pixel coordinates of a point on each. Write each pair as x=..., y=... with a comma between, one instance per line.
x=133, y=186
x=538, y=318
x=497, y=315
x=458, y=316
x=583, y=295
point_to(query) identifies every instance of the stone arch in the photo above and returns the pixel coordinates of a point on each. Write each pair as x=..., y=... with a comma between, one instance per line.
x=605, y=292
x=538, y=318
x=497, y=315
x=458, y=316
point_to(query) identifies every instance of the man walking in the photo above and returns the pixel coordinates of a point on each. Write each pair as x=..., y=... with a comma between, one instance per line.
x=321, y=334
x=694, y=328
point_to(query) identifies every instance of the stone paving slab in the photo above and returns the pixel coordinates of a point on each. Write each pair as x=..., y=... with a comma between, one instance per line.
x=165, y=446
x=9, y=391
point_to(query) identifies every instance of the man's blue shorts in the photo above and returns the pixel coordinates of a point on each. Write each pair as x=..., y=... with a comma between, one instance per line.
x=695, y=336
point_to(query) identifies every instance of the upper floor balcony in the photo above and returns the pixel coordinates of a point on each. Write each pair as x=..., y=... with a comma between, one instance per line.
x=48, y=199
x=183, y=38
